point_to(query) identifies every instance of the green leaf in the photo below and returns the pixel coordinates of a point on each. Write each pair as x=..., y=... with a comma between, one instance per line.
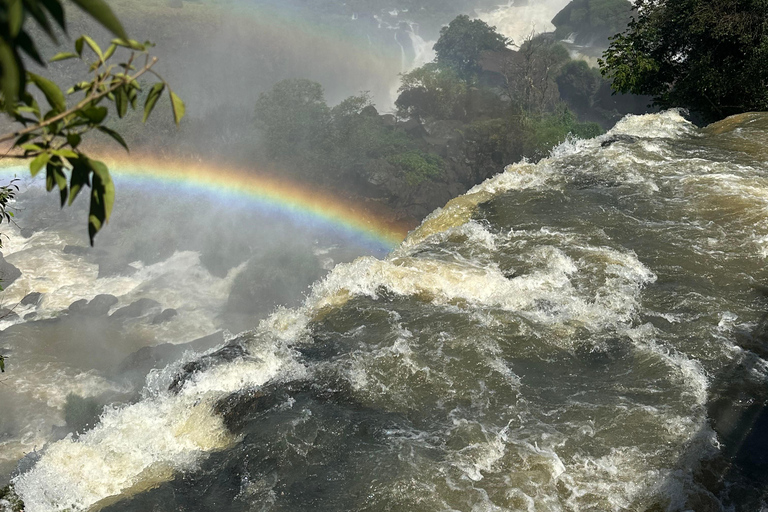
x=110, y=51
x=28, y=46
x=15, y=15
x=79, y=45
x=80, y=178
x=130, y=43
x=94, y=114
x=104, y=15
x=57, y=11
x=63, y=56
x=74, y=139
x=121, y=101
x=38, y=163
x=52, y=93
x=114, y=135
x=152, y=97
x=31, y=147
x=10, y=77
x=95, y=47
x=178, y=107
x=65, y=153
x=102, y=197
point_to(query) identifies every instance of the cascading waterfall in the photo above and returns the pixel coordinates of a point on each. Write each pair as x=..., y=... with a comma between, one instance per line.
x=554, y=339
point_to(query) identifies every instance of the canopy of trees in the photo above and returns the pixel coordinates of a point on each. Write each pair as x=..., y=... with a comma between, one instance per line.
x=463, y=41
x=710, y=56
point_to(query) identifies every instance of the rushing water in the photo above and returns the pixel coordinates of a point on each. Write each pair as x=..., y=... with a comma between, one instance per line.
x=580, y=334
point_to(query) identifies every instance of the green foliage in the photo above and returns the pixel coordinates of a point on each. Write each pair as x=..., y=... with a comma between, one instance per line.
x=6, y=493
x=710, y=56
x=418, y=166
x=51, y=136
x=463, y=41
x=432, y=91
x=15, y=39
x=579, y=85
x=541, y=133
x=594, y=21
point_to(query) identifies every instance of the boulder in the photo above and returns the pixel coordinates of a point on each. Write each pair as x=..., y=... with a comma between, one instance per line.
x=101, y=304
x=114, y=268
x=78, y=307
x=32, y=299
x=164, y=316
x=137, y=309
x=8, y=273
x=8, y=315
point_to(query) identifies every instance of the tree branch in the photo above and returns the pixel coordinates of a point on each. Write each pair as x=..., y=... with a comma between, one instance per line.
x=8, y=136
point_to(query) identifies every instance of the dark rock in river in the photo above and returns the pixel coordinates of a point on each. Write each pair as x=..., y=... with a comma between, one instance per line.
x=136, y=366
x=78, y=306
x=98, y=306
x=8, y=273
x=8, y=314
x=26, y=232
x=101, y=304
x=226, y=354
x=164, y=316
x=138, y=308
x=32, y=299
x=114, y=268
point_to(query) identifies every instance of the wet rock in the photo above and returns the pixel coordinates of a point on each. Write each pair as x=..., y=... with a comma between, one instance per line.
x=236, y=409
x=8, y=314
x=627, y=139
x=164, y=316
x=98, y=306
x=26, y=232
x=77, y=307
x=32, y=299
x=114, y=268
x=30, y=316
x=136, y=309
x=136, y=366
x=101, y=304
x=8, y=273
x=225, y=354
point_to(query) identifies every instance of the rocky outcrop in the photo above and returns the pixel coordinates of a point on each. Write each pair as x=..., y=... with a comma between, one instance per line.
x=8, y=273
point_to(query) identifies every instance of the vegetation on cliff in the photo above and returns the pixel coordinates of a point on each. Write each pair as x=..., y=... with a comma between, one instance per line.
x=709, y=56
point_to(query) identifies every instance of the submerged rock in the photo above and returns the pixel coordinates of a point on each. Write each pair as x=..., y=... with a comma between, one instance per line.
x=164, y=316
x=137, y=308
x=98, y=306
x=136, y=366
x=226, y=354
x=32, y=299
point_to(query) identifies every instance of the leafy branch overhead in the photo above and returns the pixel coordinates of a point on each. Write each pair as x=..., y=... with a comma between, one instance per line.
x=51, y=136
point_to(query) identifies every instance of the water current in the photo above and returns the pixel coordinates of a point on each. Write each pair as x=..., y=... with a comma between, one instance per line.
x=585, y=333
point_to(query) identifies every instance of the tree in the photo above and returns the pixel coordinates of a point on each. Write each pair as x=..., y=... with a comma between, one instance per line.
x=463, y=40
x=710, y=56
x=432, y=90
x=50, y=137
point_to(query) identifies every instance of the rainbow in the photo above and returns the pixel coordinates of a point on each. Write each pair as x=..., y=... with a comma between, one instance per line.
x=239, y=187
